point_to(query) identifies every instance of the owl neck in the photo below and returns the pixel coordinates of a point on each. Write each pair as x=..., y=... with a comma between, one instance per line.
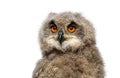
x=52, y=53
x=55, y=52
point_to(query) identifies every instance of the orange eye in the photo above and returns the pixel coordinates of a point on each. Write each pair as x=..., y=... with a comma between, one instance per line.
x=54, y=29
x=71, y=29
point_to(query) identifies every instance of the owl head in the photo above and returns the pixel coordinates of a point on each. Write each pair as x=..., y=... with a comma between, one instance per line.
x=65, y=32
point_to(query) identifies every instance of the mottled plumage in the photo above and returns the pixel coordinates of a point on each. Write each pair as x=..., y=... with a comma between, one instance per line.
x=69, y=49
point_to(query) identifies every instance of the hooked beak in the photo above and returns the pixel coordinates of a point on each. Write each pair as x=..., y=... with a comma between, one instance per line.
x=61, y=36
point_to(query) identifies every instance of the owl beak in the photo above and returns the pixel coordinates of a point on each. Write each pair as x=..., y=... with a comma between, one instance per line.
x=61, y=36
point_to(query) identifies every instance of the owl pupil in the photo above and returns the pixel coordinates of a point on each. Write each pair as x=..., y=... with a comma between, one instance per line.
x=71, y=28
x=54, y=28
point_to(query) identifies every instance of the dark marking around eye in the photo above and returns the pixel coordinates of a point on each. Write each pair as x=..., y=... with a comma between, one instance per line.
x=52, y=23
x=73, y=23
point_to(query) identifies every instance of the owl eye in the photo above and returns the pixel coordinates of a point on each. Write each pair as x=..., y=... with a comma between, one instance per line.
x=53, y=28
x=71, y=28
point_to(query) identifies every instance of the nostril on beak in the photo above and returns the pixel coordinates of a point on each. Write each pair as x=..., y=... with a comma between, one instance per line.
x=61, y=36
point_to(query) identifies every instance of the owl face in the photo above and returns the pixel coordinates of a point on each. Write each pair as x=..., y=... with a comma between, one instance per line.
x=64, y=31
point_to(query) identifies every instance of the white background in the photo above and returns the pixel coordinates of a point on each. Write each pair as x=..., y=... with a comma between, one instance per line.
x=20, y=21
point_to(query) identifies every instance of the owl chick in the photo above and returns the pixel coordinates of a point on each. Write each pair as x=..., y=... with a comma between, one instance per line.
x=69, y=48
